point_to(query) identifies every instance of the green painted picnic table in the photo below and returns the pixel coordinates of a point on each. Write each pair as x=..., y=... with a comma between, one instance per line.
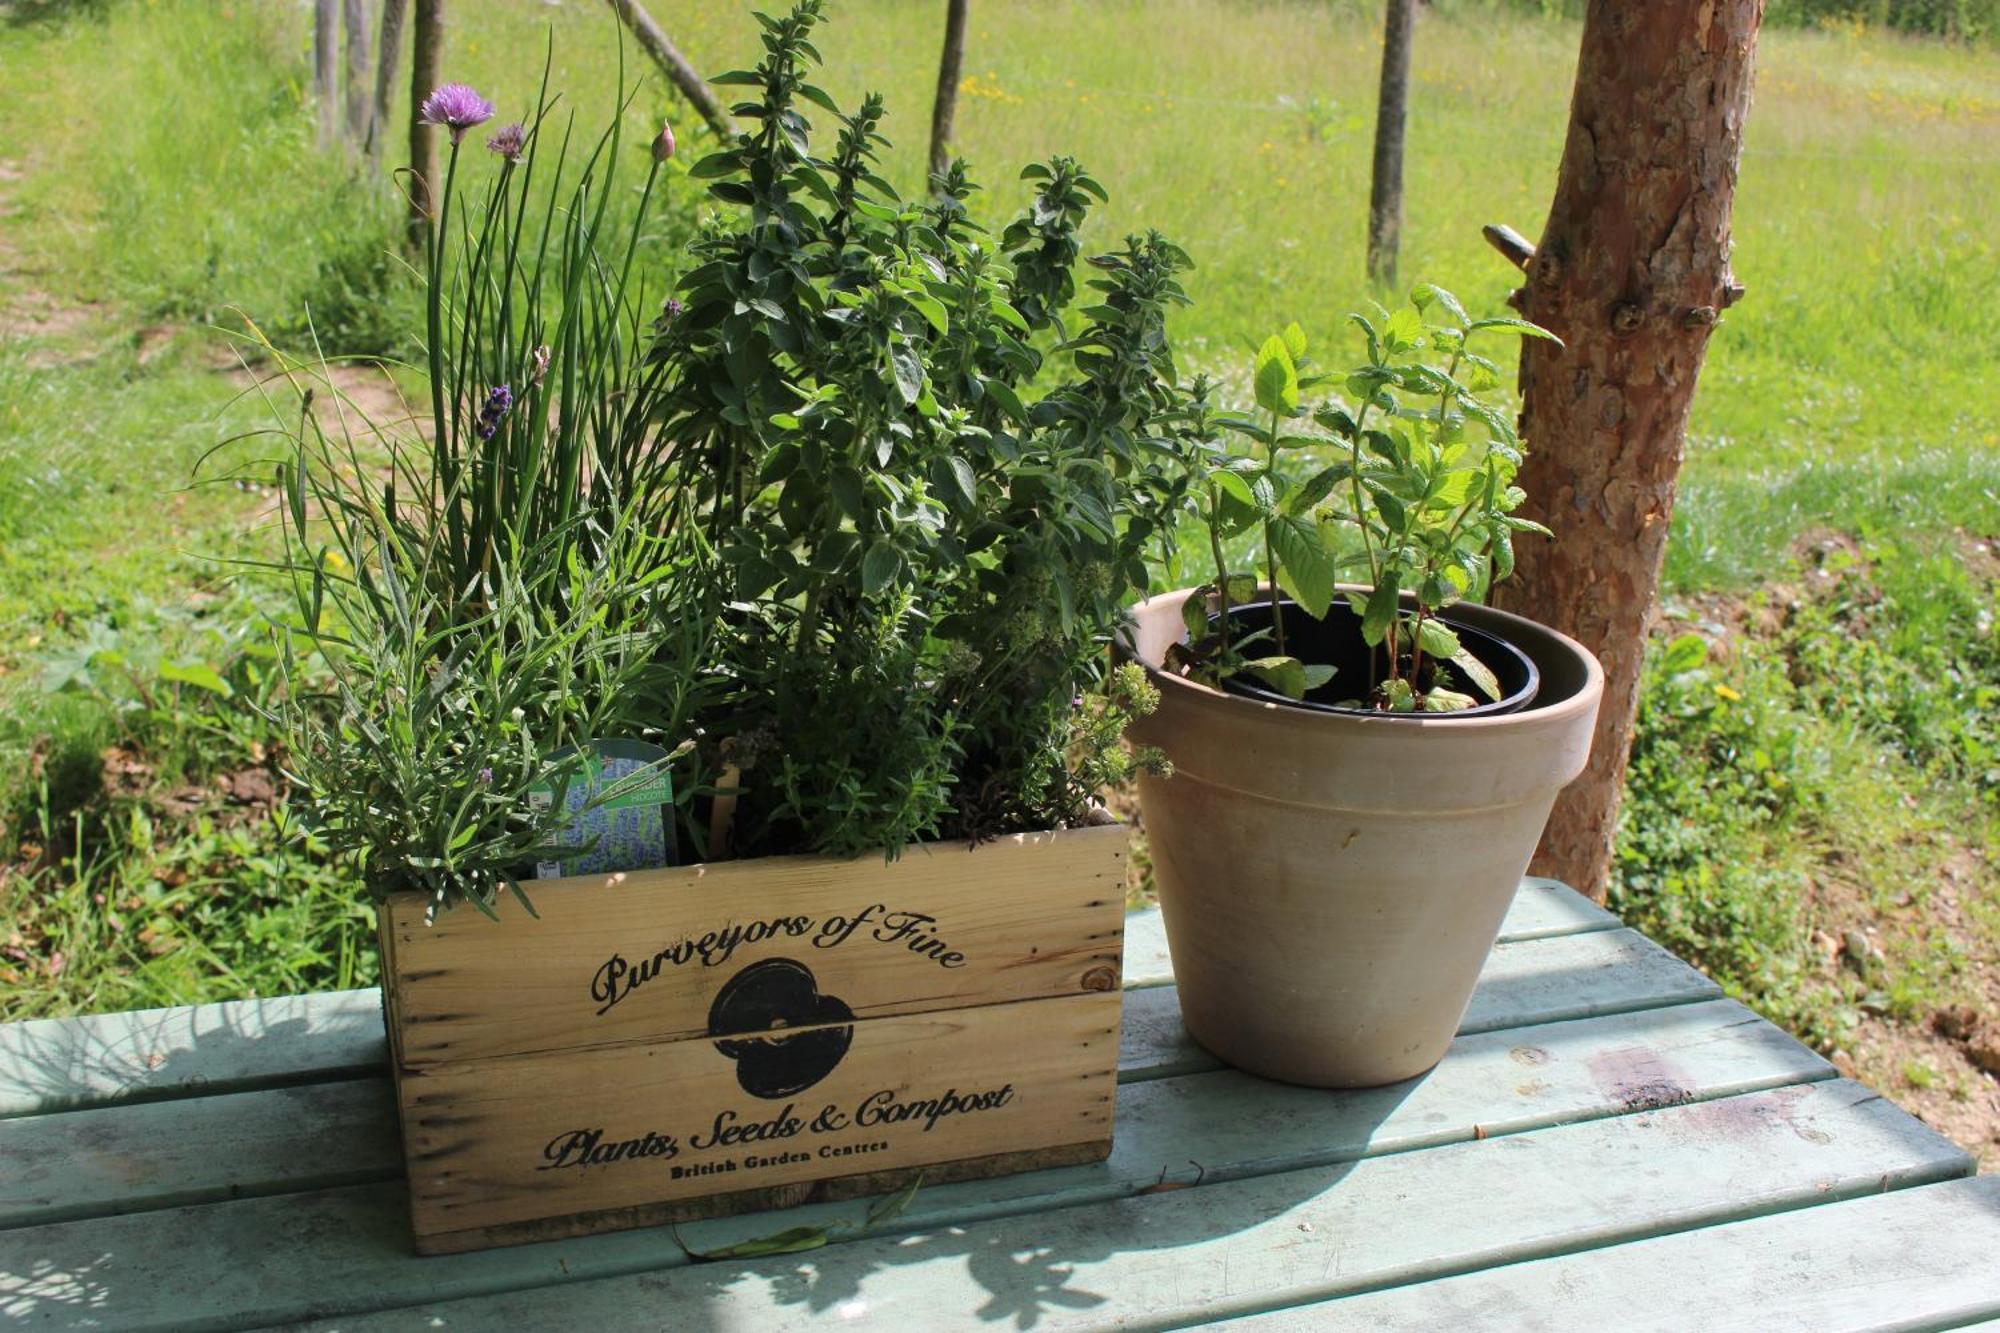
x=1610, y=1144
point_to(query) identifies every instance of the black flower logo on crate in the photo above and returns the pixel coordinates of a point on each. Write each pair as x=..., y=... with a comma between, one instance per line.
x=782, y=1033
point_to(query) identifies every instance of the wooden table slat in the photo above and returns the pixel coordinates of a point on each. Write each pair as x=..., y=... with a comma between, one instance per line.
x=1277, y=1240
x=59, y=1064
x=56, y=1064
x=1544, y=980
x=1542, y=909
x=1924, y=1258
x=127, y=1157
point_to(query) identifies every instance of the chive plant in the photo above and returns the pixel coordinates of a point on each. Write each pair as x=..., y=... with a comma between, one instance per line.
x=469, y=604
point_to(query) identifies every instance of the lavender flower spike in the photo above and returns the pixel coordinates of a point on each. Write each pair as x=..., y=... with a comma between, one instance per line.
x=508, y=141
x=498, y=402
x=458, y=107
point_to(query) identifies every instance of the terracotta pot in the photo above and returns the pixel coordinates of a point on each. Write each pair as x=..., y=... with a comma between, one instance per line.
x=1332, y=883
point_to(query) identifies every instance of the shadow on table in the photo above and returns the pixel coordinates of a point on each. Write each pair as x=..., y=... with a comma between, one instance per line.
x=62, y=1070
x=63, y=1064
x=1026, y=1280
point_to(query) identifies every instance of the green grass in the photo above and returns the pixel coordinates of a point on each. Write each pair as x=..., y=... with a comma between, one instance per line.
x=1242, y=129
x=171, y=175
x=1834, y=753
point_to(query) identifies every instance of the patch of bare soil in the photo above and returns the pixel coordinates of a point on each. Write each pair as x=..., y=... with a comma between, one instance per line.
x=27, y=311
x=235, y=797
x=362, y=395
x=1944, y=1067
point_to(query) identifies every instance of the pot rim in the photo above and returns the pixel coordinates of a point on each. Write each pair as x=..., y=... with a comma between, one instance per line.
x=1583, y=700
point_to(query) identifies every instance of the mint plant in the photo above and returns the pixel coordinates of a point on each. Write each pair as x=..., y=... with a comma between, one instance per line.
x=1417, y=502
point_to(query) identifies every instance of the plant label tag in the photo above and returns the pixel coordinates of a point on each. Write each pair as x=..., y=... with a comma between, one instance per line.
x=620, y=799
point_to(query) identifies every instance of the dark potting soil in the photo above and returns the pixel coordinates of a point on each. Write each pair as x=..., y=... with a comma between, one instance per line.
x=1336, y=642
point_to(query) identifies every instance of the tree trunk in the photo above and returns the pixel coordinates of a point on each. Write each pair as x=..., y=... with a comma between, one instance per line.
x=326, y=63
x=354, y=19
x=1392, y=114
x=426, y=64
x=950, y=64
x=1631, y=273
x=675, y=66
x=388, y=61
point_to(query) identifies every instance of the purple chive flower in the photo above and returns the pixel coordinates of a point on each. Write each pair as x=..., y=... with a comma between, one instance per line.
x=508, y=140
x=486, y=777
x=498, y=400
x=458, y=107
x=663, y=143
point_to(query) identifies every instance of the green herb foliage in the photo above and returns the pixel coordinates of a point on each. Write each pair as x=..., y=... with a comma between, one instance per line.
x=518, y=584
x=925, y=560
x=1421, y=477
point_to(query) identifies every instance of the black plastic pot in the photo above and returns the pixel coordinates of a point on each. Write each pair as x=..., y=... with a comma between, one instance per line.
x=1336, y=642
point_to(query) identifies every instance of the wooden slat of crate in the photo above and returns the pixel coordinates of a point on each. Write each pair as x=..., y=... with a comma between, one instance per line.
x=520, y=1148
x=1029, y=916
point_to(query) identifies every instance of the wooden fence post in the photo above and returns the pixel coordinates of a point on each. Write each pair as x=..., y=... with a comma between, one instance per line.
x=388, y=62
x=354, y=21
x=1392, y=114
x=426, y=65
x=326, y=60
x=944, y=111
x=675, y=66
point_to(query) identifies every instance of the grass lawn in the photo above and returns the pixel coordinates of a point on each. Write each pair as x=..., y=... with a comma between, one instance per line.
x=1827, y=767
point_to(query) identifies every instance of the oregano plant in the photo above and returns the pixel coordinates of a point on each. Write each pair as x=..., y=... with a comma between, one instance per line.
x=929, y=474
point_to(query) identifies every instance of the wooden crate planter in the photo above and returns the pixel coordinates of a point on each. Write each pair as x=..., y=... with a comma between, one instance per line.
x=665, y=1045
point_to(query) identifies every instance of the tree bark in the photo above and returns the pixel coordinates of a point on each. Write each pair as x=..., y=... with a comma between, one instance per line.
x=675, y=66
x=326, y=63
x=1392, y=115
x=426, y=64
x=388, y=62
x=951, y=64
x=1631, y=272
x=354, y=21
